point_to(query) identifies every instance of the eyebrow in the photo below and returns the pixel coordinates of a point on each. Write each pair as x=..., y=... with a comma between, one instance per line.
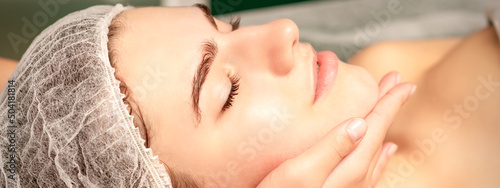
x=208, y=14
x=209, y=52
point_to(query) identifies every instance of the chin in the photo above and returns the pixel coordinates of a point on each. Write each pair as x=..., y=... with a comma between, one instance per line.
x=354, y=94
x=364, y=89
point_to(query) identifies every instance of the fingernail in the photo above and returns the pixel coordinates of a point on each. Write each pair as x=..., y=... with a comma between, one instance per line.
x=398, y=78
x=392, y=149
x=413, y=89
x=356, y=129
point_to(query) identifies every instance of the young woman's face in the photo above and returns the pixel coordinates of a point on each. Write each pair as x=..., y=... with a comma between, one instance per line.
x=274, y=115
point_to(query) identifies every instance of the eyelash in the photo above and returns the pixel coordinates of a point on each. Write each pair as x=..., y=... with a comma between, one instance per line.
x=235, y=85
x=235, y=24
x=235, y=79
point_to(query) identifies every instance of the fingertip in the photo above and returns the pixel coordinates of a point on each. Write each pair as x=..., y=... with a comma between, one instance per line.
x=389, y=81
x=413, y=89
x=406, y=87
x=410, y=88
x=398, y=78
x=392, y=150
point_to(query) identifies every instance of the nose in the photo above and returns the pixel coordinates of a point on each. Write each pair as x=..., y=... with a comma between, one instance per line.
x=272, y=45
x=284, y=31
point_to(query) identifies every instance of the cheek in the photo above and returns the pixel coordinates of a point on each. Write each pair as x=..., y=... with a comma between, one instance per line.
x=364, y=93
x=264, y=133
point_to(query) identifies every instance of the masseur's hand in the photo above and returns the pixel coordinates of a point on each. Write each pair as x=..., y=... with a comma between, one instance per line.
x=351, y=154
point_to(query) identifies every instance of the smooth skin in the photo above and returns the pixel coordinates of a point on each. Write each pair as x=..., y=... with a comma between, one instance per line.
x=451, y=101
x=317, y=166
x=446, y=72
x=274, y=116
x=7, y=66
x=330, y=163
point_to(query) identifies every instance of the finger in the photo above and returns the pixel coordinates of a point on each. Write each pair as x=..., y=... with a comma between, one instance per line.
x=390, y=80
x=381, y=117
x=388, y=151
x=354, y=168
x=324, y=156
x=373, y=164
x=379, y=121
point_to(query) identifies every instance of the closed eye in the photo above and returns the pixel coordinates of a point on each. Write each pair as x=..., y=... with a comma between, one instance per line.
x=235, y=85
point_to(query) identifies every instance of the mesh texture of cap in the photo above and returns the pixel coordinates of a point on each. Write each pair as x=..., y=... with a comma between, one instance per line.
x=71, y=127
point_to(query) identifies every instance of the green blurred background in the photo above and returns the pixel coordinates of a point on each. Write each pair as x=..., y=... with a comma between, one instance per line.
x=15, y=36
x=227, y=6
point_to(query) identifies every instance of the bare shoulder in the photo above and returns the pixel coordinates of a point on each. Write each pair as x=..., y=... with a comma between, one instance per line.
x=409, y=57
x=459, y=96
x=7, y=66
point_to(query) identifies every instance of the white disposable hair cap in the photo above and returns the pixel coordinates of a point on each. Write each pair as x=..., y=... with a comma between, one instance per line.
x=62, y=118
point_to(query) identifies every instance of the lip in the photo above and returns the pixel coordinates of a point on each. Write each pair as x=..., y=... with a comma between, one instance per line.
x=326, y=74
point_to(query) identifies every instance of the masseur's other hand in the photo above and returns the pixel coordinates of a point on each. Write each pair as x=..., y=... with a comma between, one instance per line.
x=351, y=154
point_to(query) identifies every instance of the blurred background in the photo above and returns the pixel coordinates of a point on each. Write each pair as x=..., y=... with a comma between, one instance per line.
x=343, y=26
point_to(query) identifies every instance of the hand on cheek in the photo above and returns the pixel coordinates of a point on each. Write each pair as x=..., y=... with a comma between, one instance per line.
x=364, y=165
x=351, y=154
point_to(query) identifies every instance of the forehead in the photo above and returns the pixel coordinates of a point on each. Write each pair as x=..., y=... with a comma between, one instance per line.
x=160, y=48
x=171, y=28
x=170, y=15
x=163, y=36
